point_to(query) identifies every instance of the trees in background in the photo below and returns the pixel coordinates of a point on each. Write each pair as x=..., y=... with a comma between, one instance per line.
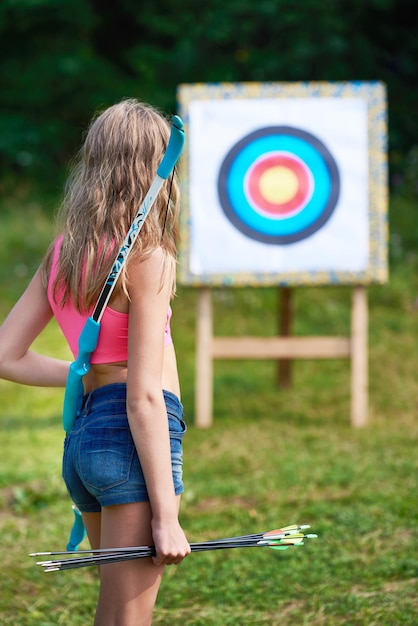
x=63, y=59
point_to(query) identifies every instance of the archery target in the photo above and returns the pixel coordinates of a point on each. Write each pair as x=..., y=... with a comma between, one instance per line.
x=275, y=189
x=278, y=185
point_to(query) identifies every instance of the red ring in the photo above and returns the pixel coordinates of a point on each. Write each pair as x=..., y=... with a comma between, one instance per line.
x=278, y=208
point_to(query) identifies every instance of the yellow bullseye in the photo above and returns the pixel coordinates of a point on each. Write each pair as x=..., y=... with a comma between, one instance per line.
x=278, y=184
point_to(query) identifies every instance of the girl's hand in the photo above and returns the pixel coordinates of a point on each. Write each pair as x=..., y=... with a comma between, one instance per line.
x=170, y=543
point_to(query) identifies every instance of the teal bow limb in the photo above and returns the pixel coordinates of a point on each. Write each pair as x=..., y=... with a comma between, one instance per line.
x=78, y=531
x=174, y=148
x=74, y=390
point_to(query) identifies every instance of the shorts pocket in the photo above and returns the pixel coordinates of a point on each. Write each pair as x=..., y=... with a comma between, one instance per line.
x=176, y=426
x=106, y=457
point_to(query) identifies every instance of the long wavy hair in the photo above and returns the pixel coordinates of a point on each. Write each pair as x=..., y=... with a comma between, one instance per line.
x=106, y=186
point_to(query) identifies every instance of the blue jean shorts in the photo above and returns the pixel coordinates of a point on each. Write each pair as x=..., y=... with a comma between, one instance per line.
x=100, y=464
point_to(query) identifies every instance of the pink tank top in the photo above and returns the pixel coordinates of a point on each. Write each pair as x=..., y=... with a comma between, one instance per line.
x=113, y=338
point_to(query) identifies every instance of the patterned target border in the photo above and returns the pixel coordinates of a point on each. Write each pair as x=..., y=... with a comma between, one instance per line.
x=278, y=185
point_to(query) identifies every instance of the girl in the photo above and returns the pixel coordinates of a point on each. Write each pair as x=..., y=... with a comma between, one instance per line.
x=123, y=458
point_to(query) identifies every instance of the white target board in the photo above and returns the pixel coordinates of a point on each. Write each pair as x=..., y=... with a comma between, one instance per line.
x=283, y=183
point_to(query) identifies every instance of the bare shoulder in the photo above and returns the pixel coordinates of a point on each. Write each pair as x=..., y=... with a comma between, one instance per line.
x=149, y=273
x=152, y=263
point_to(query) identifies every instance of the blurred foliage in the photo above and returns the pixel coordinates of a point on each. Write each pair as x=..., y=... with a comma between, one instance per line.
x=64, y=59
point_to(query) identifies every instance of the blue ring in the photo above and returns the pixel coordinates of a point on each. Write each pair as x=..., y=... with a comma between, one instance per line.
x=281, y=230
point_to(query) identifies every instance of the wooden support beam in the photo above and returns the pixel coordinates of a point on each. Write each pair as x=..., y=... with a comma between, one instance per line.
x=204, y=361
x=359, y=358
x=280, y=347
x=284, y=366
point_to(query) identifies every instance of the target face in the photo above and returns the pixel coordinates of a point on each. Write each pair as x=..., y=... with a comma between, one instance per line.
x=283, y=184
x=278, y=185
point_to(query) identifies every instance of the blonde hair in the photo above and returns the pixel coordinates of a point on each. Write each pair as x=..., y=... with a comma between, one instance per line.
x=108, y=182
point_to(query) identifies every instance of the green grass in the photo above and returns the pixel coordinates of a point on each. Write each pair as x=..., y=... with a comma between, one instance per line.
x=272, y=457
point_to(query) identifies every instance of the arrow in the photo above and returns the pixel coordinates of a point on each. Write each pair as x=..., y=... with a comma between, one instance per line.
x=279, y=539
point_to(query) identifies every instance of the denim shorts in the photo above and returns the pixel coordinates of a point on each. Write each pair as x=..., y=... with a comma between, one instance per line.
x=100, y=464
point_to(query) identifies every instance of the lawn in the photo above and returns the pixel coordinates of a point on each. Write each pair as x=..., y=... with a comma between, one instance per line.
x=272, y=457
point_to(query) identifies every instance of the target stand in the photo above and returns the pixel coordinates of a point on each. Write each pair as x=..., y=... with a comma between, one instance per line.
x=284, y=349
x=283, y=185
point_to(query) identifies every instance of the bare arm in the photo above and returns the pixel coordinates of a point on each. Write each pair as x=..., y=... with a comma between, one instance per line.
x=146, y=407
x=22, y=326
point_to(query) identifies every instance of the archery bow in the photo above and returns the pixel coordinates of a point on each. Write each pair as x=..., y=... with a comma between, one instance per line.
x=89, y=336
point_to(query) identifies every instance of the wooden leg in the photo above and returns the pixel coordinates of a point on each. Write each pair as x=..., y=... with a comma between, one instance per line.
x=284, y=370
x=359, y=358
x=204, y=361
